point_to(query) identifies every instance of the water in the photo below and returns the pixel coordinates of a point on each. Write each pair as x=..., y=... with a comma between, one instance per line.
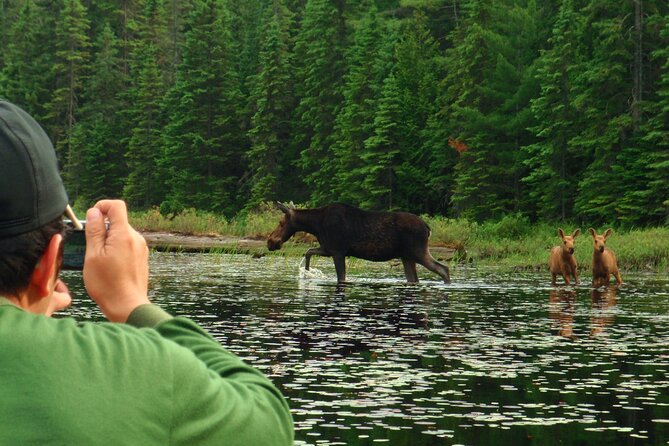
x=491, y=359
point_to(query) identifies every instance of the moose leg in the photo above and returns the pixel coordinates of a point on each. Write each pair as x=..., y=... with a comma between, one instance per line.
x=436, y=267
x=340, y=267
x=313, y=251
x=618, y=277
x=410, y=270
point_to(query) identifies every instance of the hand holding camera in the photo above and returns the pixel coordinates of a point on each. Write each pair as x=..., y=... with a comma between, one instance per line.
x=114, y=258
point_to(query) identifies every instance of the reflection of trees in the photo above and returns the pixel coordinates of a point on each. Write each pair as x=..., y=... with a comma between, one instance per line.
x=604, y=302
x=561, y=307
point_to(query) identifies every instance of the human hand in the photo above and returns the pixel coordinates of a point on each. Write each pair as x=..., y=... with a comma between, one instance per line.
x=60, y=298
x=116, y=265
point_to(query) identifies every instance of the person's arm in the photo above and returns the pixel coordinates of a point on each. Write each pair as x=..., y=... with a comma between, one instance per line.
x=234, y=405
x=218, y=399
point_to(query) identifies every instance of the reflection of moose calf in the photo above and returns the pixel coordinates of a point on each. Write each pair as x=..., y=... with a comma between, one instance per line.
x=562, y=259
x=604, y=262
x=562, y=307
x=561, y=304
x=604, y=302
x=344, y=230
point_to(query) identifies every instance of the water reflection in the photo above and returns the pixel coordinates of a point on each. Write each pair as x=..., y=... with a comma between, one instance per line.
x=604, y=300
x=477, y=362
x=562, y=302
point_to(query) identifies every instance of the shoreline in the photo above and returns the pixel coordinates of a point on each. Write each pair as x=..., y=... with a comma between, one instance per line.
x=176, y=242
x=165, y=241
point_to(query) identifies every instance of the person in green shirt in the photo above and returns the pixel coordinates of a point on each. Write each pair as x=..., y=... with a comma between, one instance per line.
x=144, y=377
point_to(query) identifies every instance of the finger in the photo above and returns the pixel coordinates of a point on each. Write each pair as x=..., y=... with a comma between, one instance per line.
x=96, y=232
x=114, y=210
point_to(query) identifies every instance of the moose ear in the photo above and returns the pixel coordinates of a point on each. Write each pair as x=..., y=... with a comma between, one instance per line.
x=592, y=232
x=282, y=207
x=561, y=233
x=576, y=233
x=291, y=205
x=608, y=233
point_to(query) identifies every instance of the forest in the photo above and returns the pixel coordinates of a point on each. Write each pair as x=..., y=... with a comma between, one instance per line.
x=554, y=110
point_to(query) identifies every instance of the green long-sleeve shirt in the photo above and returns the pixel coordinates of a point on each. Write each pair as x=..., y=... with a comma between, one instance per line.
x=163, y=381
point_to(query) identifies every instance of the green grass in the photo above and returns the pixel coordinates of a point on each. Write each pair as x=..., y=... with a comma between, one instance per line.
x=511, y=243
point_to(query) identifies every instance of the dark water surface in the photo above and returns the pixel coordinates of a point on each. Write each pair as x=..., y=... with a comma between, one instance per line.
x=491, y=359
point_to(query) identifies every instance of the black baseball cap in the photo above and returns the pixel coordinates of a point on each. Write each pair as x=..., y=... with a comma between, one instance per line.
x=31, y=190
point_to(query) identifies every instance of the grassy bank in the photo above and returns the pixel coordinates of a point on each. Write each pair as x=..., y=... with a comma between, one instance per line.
x=511, y=243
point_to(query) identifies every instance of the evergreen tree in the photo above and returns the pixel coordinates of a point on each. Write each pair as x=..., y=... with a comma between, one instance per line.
x=367, y=67
x=318, y=50
x=97, y=136
x=204, y=140
x=494, y=106
x=649, y=203
x=273, y=103
x=247, y=22
x=554, y=165
x=602, y=96
x=416, y=75
x=144, y=185
x=70, y=67
x=25, y=66
x=382, y=150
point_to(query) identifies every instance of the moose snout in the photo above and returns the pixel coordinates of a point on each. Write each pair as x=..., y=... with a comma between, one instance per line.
x=601, y=249
x=273, y=244
x=571, y=250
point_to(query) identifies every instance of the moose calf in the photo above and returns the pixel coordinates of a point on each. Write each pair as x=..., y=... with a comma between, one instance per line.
x=562, y=259
x=603, y=260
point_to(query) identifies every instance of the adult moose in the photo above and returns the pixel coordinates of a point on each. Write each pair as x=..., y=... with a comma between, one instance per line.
x=344, y=230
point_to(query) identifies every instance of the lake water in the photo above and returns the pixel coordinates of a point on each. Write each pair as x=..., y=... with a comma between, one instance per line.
x=491, y=359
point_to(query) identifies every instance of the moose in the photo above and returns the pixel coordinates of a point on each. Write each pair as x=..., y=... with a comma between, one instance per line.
x=562, y=259
x=604, y=262
x=343, y=230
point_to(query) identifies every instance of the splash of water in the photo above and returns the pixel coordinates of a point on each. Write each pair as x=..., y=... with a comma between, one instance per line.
x=311, y=273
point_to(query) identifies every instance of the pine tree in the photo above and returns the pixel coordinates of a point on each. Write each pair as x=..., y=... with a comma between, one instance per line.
x=602, y=94
x=204, y=140
x=416, y=75
x=649, y=204
x=97, y=135
x=247, y=22
x=354, y=124
x=25, y=72
x=70, y=67
x=554, y=165
x=492, y=103
x=318, y=50
x=273, y=103
x=144, y=185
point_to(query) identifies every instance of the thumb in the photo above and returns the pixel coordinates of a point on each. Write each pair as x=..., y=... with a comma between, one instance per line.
x=96, y=232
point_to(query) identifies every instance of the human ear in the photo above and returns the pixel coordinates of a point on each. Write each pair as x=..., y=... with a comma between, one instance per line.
x=44, y=275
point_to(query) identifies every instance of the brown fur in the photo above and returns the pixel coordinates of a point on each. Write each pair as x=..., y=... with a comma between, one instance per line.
x=344, y=231
x=562, y=260
x=604, y=263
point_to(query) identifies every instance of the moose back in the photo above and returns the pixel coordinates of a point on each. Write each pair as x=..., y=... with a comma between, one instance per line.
x=344, y=230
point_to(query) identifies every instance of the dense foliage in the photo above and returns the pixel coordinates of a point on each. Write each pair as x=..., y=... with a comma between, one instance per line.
x=550, y=109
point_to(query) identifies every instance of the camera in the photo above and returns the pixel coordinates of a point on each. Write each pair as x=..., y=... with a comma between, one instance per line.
x=74, y=249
